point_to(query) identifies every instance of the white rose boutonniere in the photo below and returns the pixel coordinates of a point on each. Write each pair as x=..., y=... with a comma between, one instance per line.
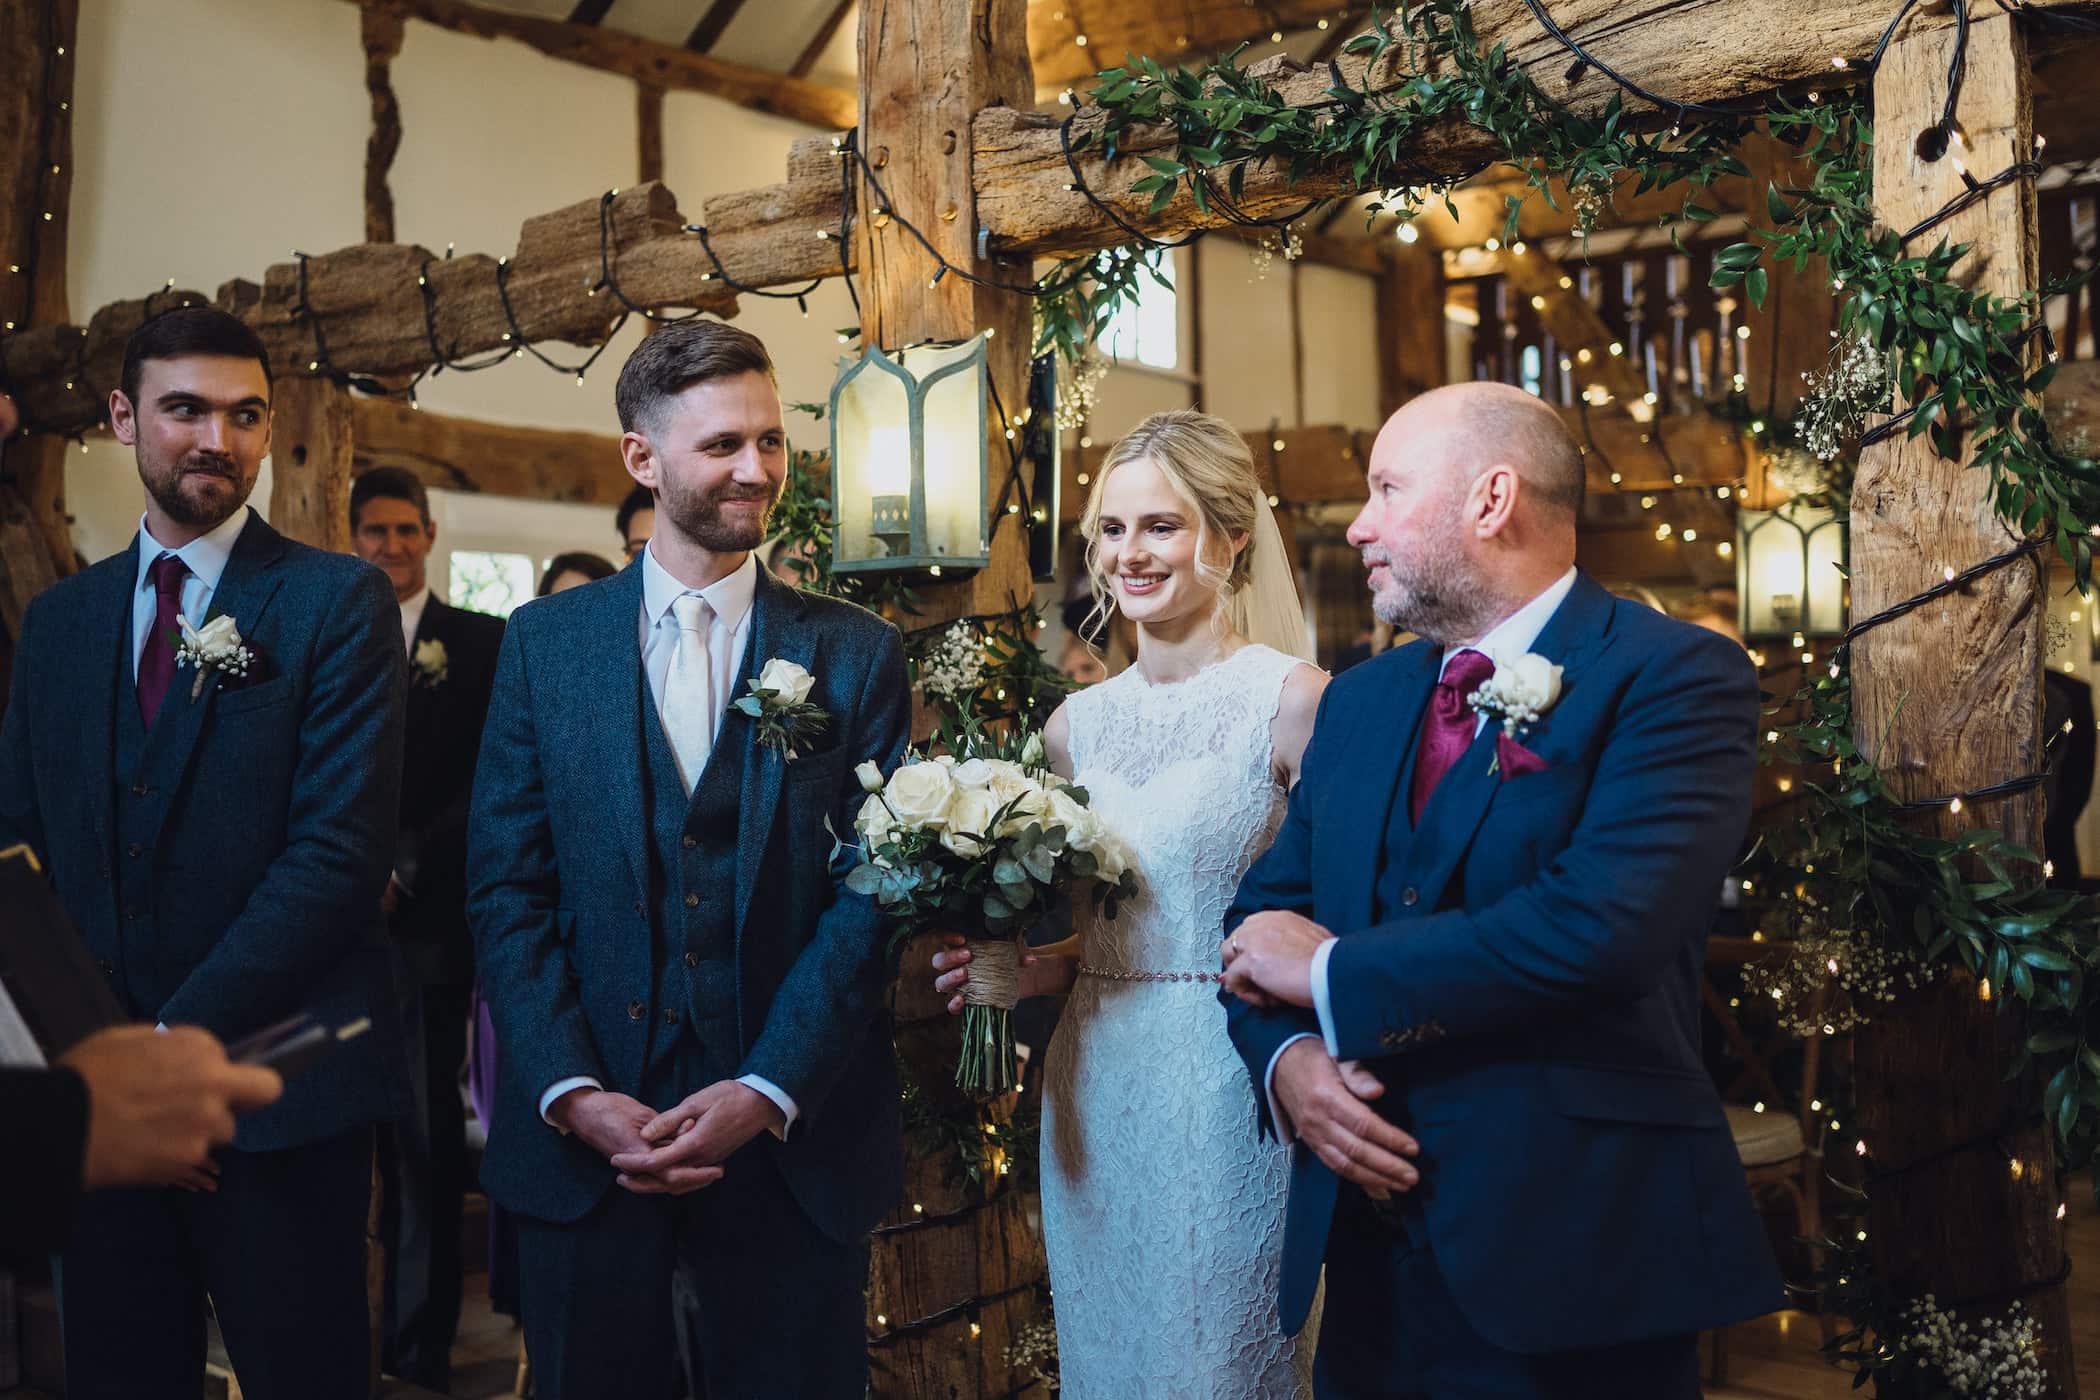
x=216, y=646
x=779, y=701
x=1522, y=689
x=431, y=662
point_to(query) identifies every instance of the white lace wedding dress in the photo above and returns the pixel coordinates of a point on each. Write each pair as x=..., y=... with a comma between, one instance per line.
x=1162, y=1207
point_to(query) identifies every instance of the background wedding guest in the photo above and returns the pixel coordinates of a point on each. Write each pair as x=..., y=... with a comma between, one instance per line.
x=636, y=521
x=128, y=1106
x=573, y=570
x=423, y=1160
x=219, y=827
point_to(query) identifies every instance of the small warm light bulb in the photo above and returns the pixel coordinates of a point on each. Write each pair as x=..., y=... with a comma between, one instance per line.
x=1409, y=233
x=1492, y=244
x=1690, y=535
x=1616, y=348
x=1954, y=807
x=1538, y=303
x=1583, y=356
x=1567, y=283
x=1742, y=332
x=1757, y=425
x=1517, y=247
x=1947, y=573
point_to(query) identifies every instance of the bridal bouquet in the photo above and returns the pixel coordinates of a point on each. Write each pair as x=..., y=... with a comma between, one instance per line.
x=978, y=840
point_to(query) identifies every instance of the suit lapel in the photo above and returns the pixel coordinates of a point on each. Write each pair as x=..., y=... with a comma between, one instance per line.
x=775, y=612
x=244, y=594
x=110, y=601
x=1385, y=772
x=615, y=690
x=1570, y=638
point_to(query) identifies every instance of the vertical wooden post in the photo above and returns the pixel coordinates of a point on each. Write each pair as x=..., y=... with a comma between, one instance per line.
x=927, y=67
x=1410, y=324
x=1956, y=689
x=310, y=452
x=382, y=36
x=37, y=50
x=1791, y=334
x=648, y=132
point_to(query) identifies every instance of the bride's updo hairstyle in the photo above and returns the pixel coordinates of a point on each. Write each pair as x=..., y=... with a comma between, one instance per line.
x=1207, y=463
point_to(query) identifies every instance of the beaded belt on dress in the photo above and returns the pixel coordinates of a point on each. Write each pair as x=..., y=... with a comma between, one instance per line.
x=1133, y=975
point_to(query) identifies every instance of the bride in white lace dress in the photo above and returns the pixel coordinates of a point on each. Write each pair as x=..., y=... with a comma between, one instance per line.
x=1162, y=1207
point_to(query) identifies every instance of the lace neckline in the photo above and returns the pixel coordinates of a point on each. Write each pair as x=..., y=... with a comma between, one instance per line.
x=1143, y=682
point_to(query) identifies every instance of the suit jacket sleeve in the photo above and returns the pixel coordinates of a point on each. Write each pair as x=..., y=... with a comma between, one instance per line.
x=1281, y=878
x=318, y=899
x=1663, y=819
x=523, y=961
x=19, y=818
x=40, y=1173
x=821, y=1015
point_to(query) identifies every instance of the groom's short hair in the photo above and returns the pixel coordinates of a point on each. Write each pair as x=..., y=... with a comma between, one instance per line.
x=677, y=357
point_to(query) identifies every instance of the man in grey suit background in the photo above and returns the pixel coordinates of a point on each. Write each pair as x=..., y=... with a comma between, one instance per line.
x=220, y=832
x=696, y=1075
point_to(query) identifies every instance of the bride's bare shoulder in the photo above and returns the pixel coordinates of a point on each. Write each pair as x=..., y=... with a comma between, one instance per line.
x=1057, y=740
x=1296, y=708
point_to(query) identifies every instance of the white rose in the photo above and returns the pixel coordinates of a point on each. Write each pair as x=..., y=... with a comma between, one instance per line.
x=919, y=794
x=870, y=776
x=1531, y=680
x=970, y=816
x=1085, y=831
x=973, y=772
x=874, y=822
x=218, y=634
x=789, y=683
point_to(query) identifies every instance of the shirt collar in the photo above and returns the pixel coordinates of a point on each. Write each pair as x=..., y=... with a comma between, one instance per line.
x=1513, y=635
x=204, y=556
x=730, y=595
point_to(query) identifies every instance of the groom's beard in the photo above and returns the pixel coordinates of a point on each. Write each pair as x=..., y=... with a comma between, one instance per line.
x=700, y=518
x=1432, y=592
x=200, y=492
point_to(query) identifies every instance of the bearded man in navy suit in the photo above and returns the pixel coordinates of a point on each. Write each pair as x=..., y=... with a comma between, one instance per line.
x=219, y=828
x=1466, y=975
x=696, y=1075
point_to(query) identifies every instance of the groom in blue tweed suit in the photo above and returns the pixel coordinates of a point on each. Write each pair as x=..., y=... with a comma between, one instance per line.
x=1466, y=975
x=221, y=840
x=696, y=1070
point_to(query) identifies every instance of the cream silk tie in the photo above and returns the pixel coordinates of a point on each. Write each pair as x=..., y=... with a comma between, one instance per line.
x=689, y=689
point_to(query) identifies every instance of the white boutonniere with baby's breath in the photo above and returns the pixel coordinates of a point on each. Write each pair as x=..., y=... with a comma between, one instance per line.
x=216, y=646
x=431, y=661
x=1521, y=689
x=779, y=701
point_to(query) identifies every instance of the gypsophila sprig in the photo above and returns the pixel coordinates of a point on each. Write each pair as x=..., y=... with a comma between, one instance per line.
x=953, y=667
x=1992, y=1360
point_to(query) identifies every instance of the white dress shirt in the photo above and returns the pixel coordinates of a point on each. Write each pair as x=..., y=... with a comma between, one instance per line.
x=205, y=556
x=728, y=635
x=1513, y=636
x=412, y=618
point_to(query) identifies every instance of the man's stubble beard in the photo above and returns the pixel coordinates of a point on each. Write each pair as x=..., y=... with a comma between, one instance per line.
x=699, y=517
x=165, y=487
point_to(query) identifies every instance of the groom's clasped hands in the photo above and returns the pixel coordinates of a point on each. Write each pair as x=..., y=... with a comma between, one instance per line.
x=674, y=1152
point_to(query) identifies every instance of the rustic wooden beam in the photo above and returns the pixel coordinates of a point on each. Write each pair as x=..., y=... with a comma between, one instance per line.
x=371, y=314
x=1410, y=324
x=821, y=40
x=1175, y=33
x=1791, y=334
x=38, y=41
x=770, y=237
x=1948, y=699
x=669, y=67
x=310, y=456
x=589, y=11
x=382, y=36
x=1700, y=52
x=495, y=459
x=649, y=131
x=711, y=24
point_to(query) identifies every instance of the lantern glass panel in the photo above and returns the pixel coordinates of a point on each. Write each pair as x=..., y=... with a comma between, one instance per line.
x=955, y=437
x=872, y=431
x=1789, y=571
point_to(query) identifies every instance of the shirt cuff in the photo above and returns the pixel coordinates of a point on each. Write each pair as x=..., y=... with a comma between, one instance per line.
x=557, y=1089
x=1285, y=1133
x=1323, y=1007
x=779, y=1097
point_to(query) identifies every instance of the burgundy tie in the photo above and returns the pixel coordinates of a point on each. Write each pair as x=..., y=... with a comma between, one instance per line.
x=1447, y=732
x=157, y=658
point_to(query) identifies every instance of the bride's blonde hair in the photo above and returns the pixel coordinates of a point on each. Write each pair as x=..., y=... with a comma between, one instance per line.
x=1206, y=462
